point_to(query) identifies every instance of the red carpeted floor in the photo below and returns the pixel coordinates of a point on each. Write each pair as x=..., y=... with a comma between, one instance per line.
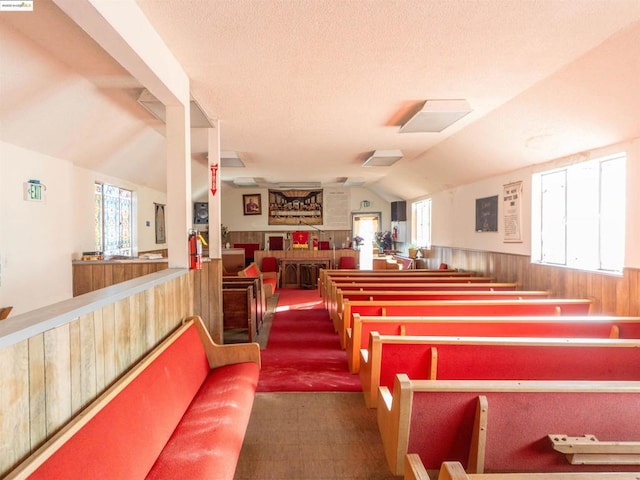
x=303, y=352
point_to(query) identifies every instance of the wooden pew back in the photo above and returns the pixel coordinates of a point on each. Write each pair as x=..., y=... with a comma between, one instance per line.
x=414, y=470
x=543, y=306
x=586, y=326
x=436, y=419
x=364, y=295
x=495, y=358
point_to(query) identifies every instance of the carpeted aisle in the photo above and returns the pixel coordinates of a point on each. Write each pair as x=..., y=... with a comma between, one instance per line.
x=303, y=352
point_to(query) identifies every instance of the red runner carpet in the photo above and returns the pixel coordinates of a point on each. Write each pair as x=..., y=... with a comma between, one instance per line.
x=303, y=352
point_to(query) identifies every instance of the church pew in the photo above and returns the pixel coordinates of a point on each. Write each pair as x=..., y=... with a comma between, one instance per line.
x=494, y=358
x=458, y=278
x=232, y=281
x=326, y=273
x=332, y=300
x=457, y=308
x=239, y=311
x=414, y=470
x=335, y=308
x=325, y=277
x=601, y=326
x=493, y=426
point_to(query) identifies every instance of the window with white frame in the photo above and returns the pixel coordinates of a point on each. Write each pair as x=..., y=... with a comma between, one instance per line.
x=113, y=220
x=421, y=223
x=578, y=215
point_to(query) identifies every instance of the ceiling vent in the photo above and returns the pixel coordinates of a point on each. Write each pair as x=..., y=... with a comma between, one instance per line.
x=156, y=108
x=299, y=185
x=230, y=159
x=383, y=158
x=435, y=116
x=245, y=182
x=354, y=182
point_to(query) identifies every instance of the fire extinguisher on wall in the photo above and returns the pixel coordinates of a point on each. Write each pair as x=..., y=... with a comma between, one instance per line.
x=195, y=251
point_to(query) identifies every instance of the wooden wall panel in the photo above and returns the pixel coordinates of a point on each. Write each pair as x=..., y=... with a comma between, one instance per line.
x=90, y=276
x=14, y=400
x=37, y=392
x=611, y=294
x=51, y=376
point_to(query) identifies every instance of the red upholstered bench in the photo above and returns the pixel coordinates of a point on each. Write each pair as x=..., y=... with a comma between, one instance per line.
x=580, y=326
x=432, y=294
x=456, y=308
x=414, y=470
x=181, y=412
x=270, y=283
x=494, y=358
x=500, y=426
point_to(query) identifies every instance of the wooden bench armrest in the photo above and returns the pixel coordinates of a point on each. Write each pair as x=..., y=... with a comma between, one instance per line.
x=588, y=450
x=479, y=437
x=414, y=469
x=385, y=397
x=221, y=355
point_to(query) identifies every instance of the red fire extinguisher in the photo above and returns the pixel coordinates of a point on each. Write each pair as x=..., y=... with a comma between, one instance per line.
x=195, y=251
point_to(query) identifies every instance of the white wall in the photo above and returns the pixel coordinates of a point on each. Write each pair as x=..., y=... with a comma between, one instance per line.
x=234, y=218
x=453, y=210
x=38, y=241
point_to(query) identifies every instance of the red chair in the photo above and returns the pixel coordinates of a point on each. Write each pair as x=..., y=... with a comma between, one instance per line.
x=275, y=243
x=270, y=268
x=323, y=245
x=347, y=263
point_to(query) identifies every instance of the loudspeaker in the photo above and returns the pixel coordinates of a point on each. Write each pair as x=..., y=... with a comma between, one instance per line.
x=399, y=211
x=201, y=212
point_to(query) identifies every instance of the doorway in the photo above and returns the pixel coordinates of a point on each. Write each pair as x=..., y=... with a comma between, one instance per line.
x=366, y=225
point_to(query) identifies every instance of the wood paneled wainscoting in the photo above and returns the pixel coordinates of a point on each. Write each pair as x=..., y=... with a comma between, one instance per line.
x=611, y=294
x=55, y=360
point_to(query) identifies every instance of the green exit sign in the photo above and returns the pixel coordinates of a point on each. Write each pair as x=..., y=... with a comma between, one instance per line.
x=34, y=191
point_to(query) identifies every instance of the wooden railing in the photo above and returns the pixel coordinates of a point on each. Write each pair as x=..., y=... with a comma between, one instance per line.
x=55, y=360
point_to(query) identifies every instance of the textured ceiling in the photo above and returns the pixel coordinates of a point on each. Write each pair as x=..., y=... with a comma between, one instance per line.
x=306, y=90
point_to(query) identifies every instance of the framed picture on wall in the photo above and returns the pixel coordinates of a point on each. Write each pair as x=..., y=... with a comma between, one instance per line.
x=252, y=204
x=160, y=226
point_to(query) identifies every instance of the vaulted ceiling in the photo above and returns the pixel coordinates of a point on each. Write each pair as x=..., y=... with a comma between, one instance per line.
x=306, y=90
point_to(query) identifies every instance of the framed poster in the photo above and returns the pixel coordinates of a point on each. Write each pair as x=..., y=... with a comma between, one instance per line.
x=295, y=207
x=487, y=214
x=511, y=197
x=161, y=235
x=252, y=204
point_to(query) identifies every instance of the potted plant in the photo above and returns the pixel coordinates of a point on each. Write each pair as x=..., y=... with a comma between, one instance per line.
x=384, y=240
x=224, y=232
x=412, y=250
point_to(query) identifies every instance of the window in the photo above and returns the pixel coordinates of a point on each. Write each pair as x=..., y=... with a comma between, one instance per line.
x=113, y=220
x=578, y=215
x=421, y=223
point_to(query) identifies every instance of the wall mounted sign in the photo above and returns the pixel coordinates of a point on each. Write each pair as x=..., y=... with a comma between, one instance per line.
x=295, y=207
x=511, y=204
x=487, y=214
x=34, y=191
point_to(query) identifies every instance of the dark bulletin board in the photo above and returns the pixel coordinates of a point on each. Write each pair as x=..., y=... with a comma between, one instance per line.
x=487, y=214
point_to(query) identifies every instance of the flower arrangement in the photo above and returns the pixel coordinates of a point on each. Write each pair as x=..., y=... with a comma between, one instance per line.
x=358, y=240
x=224, y=231
x=384, y=240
